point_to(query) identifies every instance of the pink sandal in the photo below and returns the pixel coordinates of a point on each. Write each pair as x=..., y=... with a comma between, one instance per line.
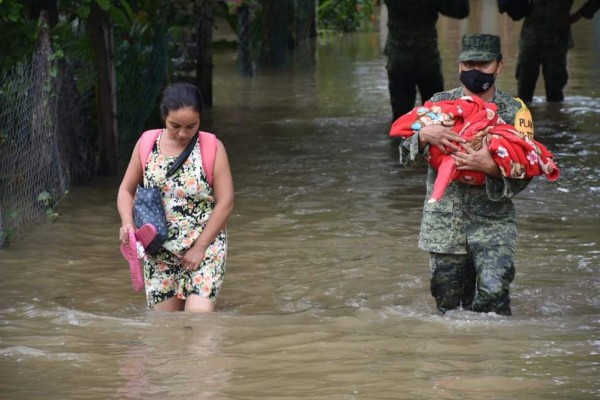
x=146, y=234
x=130, y=253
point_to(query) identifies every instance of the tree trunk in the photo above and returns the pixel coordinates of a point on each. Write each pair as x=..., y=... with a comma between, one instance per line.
x=43, y=123
x=204, y=59
x=305, y=33
x=277, y=38
x=243, y=20
x=106, y=99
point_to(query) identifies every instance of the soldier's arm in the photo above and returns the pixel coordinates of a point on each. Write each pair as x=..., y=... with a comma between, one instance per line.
x=454, y=8
x=432, y=135
x=503, y=188
x=587, y=10
x=409, y=151
x=418, y=145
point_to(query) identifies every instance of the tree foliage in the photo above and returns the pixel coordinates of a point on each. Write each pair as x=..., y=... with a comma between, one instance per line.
x=343, y=15
x=19, y=32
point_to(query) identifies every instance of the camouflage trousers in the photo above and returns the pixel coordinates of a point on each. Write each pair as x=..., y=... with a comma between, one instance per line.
x=478, y=281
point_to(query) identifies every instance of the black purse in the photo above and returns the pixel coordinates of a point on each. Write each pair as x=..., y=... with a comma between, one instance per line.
x=148, y=207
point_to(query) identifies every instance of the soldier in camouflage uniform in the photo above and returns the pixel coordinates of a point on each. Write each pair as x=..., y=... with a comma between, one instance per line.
x=413, y=58
x=470, y=233
x=545, y=39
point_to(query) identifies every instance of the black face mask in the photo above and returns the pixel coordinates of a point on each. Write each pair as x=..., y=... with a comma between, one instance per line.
x=476, y=81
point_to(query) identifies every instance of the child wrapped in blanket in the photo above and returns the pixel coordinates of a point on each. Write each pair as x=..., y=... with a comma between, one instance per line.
x=513, y=148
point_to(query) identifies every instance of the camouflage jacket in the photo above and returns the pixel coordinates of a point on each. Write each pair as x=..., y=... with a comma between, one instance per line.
x=468, y=215
x=544, y=27
x=412, y=34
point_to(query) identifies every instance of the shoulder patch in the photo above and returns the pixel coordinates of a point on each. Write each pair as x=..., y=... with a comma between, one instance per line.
x=524, y=120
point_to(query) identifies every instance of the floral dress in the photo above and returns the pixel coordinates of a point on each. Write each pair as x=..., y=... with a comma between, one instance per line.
x=188, y=200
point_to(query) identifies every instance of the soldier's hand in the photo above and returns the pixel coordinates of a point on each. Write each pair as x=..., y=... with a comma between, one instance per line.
x=569, y=20
x=477, y=160
x=441, y=137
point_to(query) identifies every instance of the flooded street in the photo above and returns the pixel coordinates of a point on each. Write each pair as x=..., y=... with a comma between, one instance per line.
x=326, y=294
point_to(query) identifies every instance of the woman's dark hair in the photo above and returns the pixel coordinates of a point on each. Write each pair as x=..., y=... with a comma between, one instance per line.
x=180, y=95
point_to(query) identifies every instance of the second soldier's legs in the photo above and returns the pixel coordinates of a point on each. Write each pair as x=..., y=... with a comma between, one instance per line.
x=403, y=90
x=527, y=73
x=555, y=74
x=429, y=83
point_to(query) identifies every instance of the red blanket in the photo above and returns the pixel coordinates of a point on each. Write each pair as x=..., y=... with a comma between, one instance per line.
x=517, y=154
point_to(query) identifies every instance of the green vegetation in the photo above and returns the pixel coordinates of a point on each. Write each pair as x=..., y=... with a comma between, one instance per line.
x=344, y=15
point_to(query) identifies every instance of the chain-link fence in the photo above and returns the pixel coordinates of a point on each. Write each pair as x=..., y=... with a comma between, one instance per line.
x=48, y=103
x=33, y=172
x=47, y=140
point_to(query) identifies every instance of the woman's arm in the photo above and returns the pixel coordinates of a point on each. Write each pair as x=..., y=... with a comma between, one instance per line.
x=125, y=197
x=224, y=194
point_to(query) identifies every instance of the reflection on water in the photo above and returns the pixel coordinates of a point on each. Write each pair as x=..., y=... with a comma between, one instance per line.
x=326, y=295
x=186, y=355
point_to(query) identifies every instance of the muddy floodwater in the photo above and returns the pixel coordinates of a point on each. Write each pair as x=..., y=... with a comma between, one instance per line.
x=326, y=295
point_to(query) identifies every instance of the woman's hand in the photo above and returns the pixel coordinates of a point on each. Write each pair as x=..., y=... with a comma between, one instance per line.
x=133, y=176
x=441, y=137
x=124, y=233
x=192, y=259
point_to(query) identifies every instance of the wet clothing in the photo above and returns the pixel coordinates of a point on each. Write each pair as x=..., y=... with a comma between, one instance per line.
x=413, y=58
x=470, y=223
x=544, y=42
x=188, y=200
x=456, y=276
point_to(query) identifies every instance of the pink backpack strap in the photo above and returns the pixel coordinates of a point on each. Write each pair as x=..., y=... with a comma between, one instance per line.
x=146, y=143
x=208, y=150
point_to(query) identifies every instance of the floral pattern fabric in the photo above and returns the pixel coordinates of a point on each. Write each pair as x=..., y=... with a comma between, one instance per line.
x=516, y=153
x=188, y=201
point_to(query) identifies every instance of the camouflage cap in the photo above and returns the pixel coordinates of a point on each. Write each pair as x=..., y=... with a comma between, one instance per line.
x=480, y=47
